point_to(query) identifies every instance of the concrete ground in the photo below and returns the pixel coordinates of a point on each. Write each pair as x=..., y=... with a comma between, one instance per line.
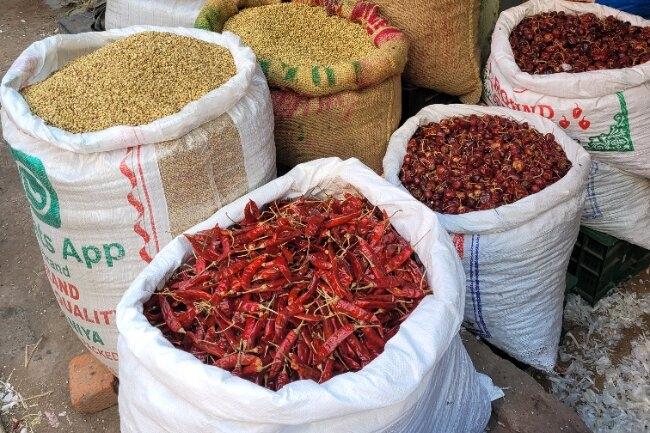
x=28, y=310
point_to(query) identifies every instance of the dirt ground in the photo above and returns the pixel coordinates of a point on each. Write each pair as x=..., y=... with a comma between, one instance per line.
x=28, y=310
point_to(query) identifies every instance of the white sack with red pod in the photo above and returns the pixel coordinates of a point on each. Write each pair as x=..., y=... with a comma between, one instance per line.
x=516, y=255
x=423, y=382
x=606, y=111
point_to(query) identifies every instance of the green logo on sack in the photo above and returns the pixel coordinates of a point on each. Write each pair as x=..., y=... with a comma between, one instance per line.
x=618, y=138
x=37, y=186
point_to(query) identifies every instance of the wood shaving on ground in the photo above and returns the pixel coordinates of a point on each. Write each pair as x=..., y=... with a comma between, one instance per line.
x=9, y=397
x=29, y=354
x=606, y=375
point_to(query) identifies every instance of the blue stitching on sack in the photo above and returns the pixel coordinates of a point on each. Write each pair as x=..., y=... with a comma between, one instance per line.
x=595, y=211
x=477, y=290
x=474, y=288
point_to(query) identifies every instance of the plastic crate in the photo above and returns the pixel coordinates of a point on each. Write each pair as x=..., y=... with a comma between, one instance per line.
x=600, y=261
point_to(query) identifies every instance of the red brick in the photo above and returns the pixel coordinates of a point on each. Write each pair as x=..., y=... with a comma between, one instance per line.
x=92, y=386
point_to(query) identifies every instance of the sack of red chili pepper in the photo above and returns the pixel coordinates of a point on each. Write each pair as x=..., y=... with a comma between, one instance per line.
x=584, y=66
x=618, y=203
x=320, y=302
x=509, y=188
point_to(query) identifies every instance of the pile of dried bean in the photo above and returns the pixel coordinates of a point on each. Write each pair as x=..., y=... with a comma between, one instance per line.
x=306, y=289
x=553, y=42
x=463, y=164
x=132, y=81
x=298, y=34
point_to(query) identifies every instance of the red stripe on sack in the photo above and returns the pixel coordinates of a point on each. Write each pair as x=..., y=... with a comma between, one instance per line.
x=387, y=34
x=146, y=195
x=369, y=15
x=136, y=204
x=137, y=227
x=144, y=255
x=459, y=243
x=126, y=171
x=359, y=12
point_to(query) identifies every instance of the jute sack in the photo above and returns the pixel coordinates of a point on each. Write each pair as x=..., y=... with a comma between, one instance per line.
x=487, y=21
x=606, y=111
x=347, y=110
x=443, y=36
x=104, y=203
x=618, y=203
x=166, y=13
x=423, y=382
x=516, y=255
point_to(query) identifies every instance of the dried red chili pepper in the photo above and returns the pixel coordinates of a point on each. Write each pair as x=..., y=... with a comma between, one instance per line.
x=283, y=350
x=354, y=311
x=556, y=41
x=323, y=269
x=468, y=163
x=334, y=340
x=327, y=371
x=167, y=313
x=251, y=213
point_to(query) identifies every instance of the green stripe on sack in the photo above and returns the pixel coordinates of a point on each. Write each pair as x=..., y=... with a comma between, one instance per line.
x=357, y=70
x=291, y=74
x=208, y=19
x=331, y=78
x=315, y=75
x=264, y=64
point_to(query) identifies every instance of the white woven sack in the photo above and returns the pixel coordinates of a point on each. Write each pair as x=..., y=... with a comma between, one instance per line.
x=515, y=256
x=607, y=112
x=423, y=382
x=104, y=203
x=618, y=203
x=165, y=13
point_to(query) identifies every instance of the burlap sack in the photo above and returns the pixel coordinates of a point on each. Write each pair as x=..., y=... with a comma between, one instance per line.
x=443, y=37
x=345, y=110
x=487, y=21
x=308, y=128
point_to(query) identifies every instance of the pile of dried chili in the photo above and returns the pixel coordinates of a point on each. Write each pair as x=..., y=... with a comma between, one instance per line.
x=306, y=289
x=468, y=163
x=557, y=41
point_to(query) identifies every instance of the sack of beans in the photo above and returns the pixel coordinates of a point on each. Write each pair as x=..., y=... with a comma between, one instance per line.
x=444, y=52
x=618, y=203
x=168, y=13
x=584, y=66
x=334, y=72
x=509, y=187
x=123, y=139
x=273, y=315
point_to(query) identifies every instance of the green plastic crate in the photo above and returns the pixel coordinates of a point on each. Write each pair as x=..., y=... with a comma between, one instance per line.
x=600, y=261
